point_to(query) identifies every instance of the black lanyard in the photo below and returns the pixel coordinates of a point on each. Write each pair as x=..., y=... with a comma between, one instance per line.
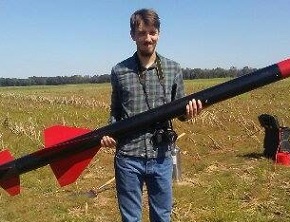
x=159, y=71
x=161, y=78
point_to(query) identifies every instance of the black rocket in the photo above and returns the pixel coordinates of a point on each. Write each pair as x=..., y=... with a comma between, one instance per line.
x=68, y=150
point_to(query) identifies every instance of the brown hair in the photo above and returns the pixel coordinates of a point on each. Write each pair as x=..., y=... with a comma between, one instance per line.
x=148, y=16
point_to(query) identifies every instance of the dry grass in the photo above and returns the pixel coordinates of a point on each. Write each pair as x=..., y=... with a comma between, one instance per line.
x=224, y=175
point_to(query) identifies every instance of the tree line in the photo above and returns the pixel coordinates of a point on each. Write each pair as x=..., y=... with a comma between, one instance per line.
x=188, y=73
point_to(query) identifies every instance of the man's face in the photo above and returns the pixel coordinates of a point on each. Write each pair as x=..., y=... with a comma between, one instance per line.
x=146, y=38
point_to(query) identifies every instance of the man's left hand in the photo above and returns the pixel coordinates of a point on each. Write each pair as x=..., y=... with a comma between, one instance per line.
x=193, y=108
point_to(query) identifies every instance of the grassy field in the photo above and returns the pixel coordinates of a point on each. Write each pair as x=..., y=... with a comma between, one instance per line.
x=224, y=175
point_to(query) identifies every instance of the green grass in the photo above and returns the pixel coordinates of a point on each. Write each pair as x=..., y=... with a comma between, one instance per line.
x=224, y=176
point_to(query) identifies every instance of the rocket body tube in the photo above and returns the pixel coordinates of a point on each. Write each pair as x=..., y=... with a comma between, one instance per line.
x=80, y=145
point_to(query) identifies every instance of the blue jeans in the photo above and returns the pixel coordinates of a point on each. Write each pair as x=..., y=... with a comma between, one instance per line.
x=131, y=173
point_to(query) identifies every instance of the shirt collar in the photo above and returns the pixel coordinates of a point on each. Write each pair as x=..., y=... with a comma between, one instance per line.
x=141, y=68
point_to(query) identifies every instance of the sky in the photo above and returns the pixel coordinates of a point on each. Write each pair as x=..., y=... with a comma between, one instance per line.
x=87, y=37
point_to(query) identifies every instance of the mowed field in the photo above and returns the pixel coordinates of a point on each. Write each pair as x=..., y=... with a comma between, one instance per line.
x=224, y=174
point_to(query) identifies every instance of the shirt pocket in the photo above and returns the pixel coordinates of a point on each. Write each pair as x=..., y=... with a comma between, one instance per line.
x=132, y=97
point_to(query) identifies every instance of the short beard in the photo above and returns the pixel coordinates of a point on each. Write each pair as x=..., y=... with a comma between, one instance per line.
x=146, y=53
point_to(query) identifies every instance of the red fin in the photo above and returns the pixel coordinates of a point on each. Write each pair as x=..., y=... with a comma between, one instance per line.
x=57, y=134
x=67, y=170
x=10, y=185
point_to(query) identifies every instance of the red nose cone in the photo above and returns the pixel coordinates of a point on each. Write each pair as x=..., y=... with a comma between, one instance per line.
x=284, y=67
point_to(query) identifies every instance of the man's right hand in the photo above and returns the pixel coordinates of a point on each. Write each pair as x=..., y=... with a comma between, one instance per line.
x=108, y=141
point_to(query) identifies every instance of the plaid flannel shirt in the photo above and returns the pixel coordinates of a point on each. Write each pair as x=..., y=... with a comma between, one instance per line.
x=133, y=93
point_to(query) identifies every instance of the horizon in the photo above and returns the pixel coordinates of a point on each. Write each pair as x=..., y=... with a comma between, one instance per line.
x=66, y=38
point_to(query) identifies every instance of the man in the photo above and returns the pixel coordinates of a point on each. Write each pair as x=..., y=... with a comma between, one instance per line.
x=141, y=82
